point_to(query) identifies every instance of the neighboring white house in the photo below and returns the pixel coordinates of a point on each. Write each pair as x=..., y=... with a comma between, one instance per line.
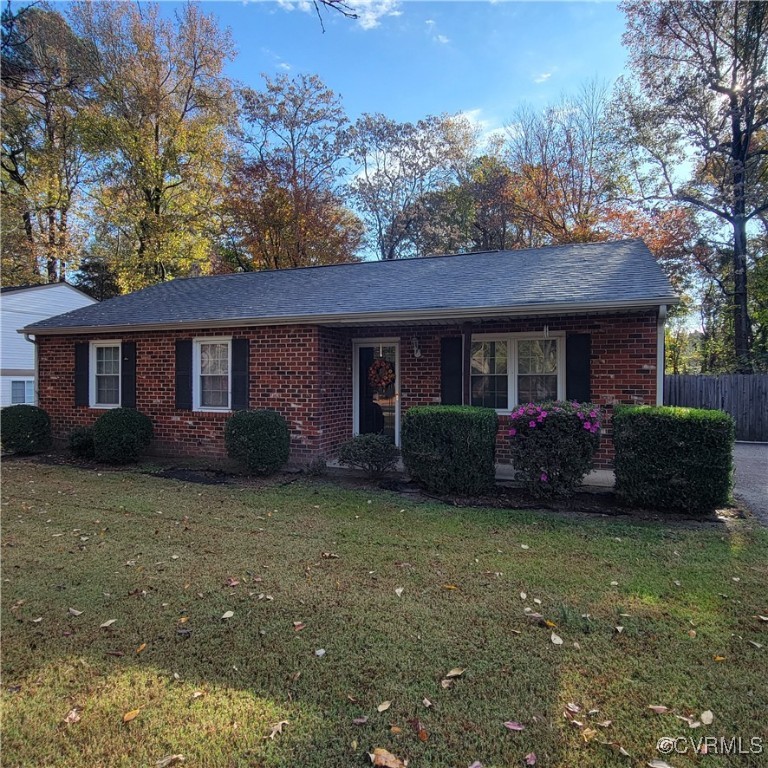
x=18, y=308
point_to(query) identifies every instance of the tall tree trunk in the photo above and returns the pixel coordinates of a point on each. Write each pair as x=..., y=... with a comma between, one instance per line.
x=741, y=324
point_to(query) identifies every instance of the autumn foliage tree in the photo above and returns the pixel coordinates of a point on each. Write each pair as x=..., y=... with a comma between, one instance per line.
x=282, y=204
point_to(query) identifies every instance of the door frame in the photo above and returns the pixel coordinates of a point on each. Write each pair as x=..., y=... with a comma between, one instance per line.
x=356, y=344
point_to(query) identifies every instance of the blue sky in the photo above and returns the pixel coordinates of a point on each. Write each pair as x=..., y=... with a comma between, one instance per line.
x=410, y=58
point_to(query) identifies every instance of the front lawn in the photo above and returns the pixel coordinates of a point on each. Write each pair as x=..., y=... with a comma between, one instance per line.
x=342, y=600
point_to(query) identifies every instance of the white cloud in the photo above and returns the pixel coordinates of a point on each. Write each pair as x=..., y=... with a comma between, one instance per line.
x=284, y=65
x=370, y=11
x=489, y=128
x=430, y=22
x=442, y=39
x=542, y=78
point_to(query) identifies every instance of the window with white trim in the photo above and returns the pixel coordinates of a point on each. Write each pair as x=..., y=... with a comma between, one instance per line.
x=105, y=374
x=23, y=392
x=505, y=371
x=212, y=374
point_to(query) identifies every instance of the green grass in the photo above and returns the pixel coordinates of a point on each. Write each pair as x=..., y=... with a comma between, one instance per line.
x=184, y=541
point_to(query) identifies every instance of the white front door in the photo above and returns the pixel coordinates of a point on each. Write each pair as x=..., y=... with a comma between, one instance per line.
x=376, y=388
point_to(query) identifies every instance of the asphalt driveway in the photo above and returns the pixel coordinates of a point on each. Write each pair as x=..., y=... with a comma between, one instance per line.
x=751, y=479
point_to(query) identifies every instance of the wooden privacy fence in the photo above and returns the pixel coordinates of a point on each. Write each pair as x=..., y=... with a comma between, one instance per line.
x=744, y=396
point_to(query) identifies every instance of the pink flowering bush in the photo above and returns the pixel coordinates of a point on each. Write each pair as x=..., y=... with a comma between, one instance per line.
x=553, y=445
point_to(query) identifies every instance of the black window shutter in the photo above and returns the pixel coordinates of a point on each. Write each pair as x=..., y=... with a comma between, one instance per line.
x=184, y=374
x=82, y=355
x=451, y=364
x=128, y=375
x=239, y=374
x=578, y=349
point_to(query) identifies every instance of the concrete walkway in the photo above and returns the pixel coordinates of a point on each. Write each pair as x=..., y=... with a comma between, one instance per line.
x=751, y=477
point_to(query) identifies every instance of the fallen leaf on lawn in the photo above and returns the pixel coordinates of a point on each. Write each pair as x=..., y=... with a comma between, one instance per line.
x=572, y=707
x=384, y=706
x=659, y=764
x=183, y=619
x=426, y=702
x=476, y=764
x=523, y=596
x=588, y=734
x=276, y=728
x=232, y=582
x=228, y=615
x=330, y=556
x=449, y=586
x=141, y=648
x=556, y=639
x=762, y=618
x=395, y=729
x=659, y=709
x=298, y=626
x=549, y=624
x=619, y=629
x=73, y=716
x=446, y=683
x=524, y=546
x=605, y=723
x=132, y=715
x=707, y=717
x=383, y=759
x=537, y=601
x=164, y=762
x=614, y=583
x=320, y=652
x=360, y=720
x=756, y=644
x=399, y=591
x=455, y=672
x=423, y=735
x=37, y=620
x=197, y=694
x=74, y=612
x=719, y=658
x=107, y=624
x=530, y=758
x=691, y=633
x=514, y=726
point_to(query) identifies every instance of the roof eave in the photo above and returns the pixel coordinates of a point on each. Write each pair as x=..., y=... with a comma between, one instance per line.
x=366, y=318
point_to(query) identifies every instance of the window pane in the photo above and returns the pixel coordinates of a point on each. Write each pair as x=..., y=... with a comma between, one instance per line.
x=214, y=359
x=18, y=391
x=537, y=356
x=489, y=374
x=214, y=391
x=108, y=361
x=107, y=390
x=30, y=392
x=532, y=389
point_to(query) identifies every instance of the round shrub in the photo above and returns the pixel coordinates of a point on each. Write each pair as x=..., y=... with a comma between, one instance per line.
x=258, y=439
x=81, y=442
x=26, y=429
x=376, y=454
x=553, y=445
x=121, y=435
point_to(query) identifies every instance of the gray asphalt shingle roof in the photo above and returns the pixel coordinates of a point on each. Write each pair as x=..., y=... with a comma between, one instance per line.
x=578, y=276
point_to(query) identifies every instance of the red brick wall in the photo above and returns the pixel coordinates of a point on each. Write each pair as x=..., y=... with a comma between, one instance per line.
x=305, y=373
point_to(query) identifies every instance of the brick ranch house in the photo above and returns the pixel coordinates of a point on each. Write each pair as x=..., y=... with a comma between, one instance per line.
x=581, y=322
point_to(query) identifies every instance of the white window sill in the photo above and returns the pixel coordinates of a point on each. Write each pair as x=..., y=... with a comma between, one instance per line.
x=102, y=407
x=212, y=410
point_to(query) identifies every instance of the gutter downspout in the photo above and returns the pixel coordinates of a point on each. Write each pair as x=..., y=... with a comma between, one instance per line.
x=32, y=340
x=660, y=353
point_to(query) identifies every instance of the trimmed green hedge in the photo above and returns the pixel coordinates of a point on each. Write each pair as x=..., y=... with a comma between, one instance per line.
x=258, y=439
x=673, y=457
x=25, y=429
x=451, y=448
x=121, y=435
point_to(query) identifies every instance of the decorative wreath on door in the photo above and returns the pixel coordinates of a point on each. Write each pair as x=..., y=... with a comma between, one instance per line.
x=381, y=374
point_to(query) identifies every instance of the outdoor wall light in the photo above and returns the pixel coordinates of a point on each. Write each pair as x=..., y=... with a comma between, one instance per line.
x=416, y=347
